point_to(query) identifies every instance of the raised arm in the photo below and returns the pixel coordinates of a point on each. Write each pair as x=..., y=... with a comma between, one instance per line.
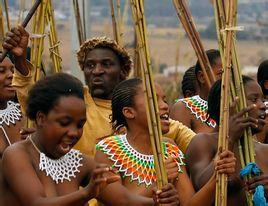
x=16, y=42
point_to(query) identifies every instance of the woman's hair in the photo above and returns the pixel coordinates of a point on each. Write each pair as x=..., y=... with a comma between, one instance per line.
x=214, y=98
x=46, y=92
x=212, y=54
x=262, y=75
x=189, y=81
x=123, y=96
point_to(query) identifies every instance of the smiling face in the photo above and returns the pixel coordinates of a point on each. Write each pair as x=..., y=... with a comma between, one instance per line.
x=217, y=68
x=62, y=127
x=102, y=72
x=139, y=109
x=7, y=92
x=254, y=95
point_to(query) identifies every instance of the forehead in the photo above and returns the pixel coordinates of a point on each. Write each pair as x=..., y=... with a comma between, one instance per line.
x=6, y=62
x=252, y=88
x=102, y=53
x=65, y=105
x=158, y=90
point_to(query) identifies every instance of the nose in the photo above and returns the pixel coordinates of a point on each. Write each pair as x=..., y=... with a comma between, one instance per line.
x=9, y=74
x=73, y=132
x=262, y=105
x=163, y=105
x=98, y=69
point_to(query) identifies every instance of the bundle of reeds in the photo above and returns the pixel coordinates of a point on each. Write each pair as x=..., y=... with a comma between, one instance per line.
x=7, y=14
x=117, y=21
x=152, y=111
x=53, y=38
x=187, y=22
x=221, y=185
x=43, y=18
x=225, y=13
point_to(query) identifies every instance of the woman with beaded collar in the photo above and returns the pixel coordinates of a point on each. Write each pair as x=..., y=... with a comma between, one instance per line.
x=131, y=153
x=11, y=117
x=50, y=171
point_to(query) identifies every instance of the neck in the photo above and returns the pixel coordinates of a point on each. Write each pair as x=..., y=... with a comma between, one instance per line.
x=203, y=94
x=3, y=105
x=37, y=143
x=140, y=140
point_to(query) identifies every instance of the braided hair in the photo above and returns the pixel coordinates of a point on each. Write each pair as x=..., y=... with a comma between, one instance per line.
x=212, y=54
x=123, y=96
x=189, y=81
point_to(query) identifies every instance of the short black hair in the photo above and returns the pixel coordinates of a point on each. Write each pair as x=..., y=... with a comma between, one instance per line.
x=189, y=81
x=262, y=75
x=214, y=98
x=123, y=96
x=212, y=54
x=44, y=95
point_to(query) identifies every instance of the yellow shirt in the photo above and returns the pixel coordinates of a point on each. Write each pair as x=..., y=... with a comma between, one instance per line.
x=181, y=134
x=22, y=84
x=98, y=126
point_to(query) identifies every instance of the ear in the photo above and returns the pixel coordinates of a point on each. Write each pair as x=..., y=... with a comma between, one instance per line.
x=128, y=112
x=123, y=74
x=40, y=118
x=201, y=77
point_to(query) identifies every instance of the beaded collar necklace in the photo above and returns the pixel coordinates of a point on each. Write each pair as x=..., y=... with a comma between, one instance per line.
x=9, y=116
x=130, y=163
x=199, y=108
x=60, y=169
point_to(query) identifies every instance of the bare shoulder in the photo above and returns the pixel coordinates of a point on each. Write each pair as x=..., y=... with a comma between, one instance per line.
x=179, y=112
x=16, y=150
x=178, y=107
x=203, y=142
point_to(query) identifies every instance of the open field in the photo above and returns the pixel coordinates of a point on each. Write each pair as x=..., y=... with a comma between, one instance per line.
x=164, y=43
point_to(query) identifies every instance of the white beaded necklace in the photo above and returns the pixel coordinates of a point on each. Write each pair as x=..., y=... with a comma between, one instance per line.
x=9, y=115
x=60, y=169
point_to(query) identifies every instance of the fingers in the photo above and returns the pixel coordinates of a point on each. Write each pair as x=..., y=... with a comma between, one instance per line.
x=226, y=163
x=22, y=30
x=226, y=153
x=168, y=195
x=27, y=131
x=245, y=110
x=233, y=105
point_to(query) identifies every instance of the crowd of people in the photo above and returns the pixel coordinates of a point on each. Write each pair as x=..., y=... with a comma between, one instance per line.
x=90, y=144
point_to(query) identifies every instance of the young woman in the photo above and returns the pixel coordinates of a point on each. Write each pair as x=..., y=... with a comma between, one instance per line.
x=44, y=169
x=131, y=154
x=11, y=115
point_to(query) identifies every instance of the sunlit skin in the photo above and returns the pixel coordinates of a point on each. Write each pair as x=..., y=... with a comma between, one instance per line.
x=184, y=115
x=57, y=132
x=102, y=71
x=203, y=148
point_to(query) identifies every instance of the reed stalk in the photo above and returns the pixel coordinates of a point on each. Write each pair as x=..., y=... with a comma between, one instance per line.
x=187, y=21
x=79, y=24
x=152, y=111
x=223, y=11
x=53, y=39
x=7, y=14
x=2, y=26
